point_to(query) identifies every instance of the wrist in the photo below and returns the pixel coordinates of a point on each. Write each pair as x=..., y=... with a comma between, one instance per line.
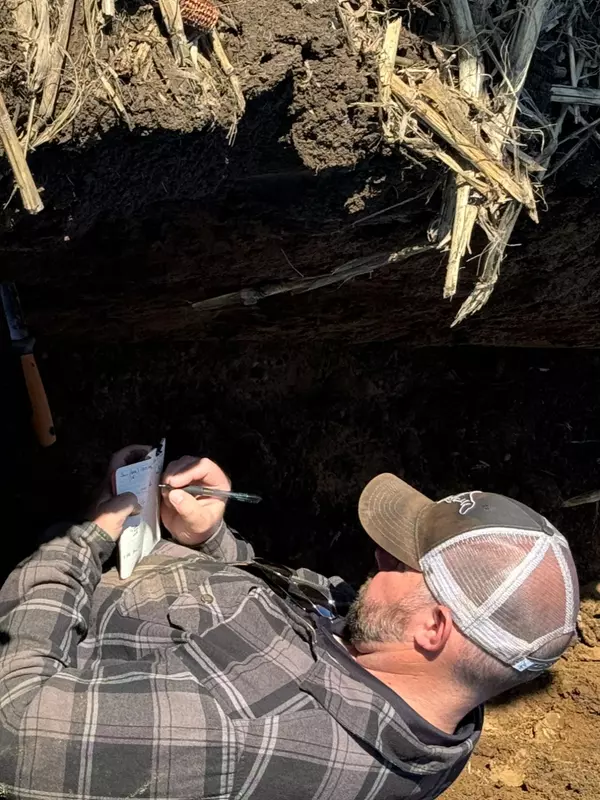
x=196, y=541
x=100, y=543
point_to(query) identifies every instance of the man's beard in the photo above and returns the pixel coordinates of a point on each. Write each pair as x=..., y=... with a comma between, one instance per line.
x=371, y=621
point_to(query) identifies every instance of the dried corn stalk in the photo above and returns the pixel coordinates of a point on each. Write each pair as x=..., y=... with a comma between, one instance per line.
x=171, y=14
x=500, y=223
x=41, y=55
x=24, y=180
x=463, y=112
x=58, y=52
x=352, y=269
x=458, y=192
x=443, y=114
x=387, y=64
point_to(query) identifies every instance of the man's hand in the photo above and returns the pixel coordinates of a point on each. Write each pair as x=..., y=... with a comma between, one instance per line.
x=110, y=512
x=193, y=520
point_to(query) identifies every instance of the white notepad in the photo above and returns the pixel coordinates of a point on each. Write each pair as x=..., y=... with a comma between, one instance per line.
x=141, y=532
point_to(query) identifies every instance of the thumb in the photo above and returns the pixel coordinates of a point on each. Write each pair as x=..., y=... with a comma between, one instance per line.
x=112, y=514
x=186, y=506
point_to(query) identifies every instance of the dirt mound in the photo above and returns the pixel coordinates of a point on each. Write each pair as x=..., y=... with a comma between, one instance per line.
x=539, y=746
x=544, y=744
x=141, y=225
x=268, y=43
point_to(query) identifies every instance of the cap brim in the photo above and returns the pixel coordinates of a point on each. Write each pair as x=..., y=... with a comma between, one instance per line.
x=389, y=511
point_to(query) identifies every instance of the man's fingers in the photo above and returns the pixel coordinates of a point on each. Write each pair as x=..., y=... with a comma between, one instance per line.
x=121, y=505
x=126, y=455
x=196, y=470
x=180, y=468
x=112, y=514
x=192, y=520
x=189, y=509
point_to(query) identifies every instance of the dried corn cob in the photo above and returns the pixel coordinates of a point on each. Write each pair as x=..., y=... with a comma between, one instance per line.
x=200, y=14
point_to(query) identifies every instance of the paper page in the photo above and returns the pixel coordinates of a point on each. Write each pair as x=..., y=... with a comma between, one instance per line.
x=141, y=532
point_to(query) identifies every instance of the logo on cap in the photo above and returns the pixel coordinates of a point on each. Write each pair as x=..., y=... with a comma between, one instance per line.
x=466, y=501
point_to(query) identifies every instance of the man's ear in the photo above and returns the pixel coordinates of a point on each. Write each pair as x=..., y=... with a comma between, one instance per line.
x=434, y=630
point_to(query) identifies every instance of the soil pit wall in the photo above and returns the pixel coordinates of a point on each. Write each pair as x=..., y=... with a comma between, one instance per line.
x=304, y=397
x=306, y=427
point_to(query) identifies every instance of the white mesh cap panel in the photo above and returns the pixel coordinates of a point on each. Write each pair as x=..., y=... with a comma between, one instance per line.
x=510, y=591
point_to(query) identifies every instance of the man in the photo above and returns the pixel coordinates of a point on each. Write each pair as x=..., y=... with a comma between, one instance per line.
x=208, y=674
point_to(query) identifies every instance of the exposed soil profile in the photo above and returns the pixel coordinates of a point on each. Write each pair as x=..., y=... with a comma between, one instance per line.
x=304, y=397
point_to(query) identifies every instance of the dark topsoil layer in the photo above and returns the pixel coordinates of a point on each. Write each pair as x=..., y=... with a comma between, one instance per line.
x=308, y=428
x=139, y=225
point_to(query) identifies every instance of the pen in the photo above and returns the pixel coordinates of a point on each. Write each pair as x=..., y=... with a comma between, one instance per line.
x=205, y=491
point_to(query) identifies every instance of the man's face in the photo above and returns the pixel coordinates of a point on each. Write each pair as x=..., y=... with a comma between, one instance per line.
x=386, y=603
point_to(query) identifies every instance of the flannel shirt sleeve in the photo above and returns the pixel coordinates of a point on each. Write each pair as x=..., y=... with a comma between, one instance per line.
x=114, y=729
x=226, y=545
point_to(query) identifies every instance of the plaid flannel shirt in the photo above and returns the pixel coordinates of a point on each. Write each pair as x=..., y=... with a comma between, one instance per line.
x=193, y=679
